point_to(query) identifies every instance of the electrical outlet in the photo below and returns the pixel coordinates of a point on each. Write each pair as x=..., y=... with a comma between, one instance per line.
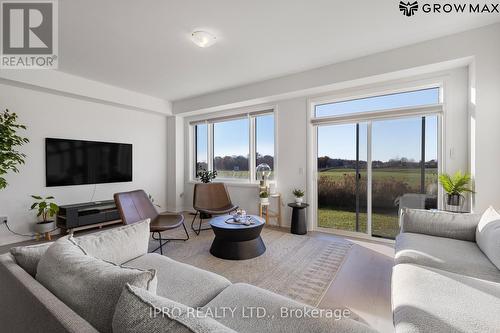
x=3, y=219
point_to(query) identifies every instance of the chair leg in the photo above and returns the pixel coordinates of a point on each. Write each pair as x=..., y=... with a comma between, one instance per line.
x=197, y=231
x=164, y=241
x=192, y=223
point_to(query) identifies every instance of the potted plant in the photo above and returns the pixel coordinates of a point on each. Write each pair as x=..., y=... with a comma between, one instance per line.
x=454, y=187
x=206, y=176
x=299, y=196
x=264, y=197
x=10, y=158
x=46, y=209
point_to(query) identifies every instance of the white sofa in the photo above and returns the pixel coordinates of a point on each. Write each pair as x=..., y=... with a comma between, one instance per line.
x=442, y=281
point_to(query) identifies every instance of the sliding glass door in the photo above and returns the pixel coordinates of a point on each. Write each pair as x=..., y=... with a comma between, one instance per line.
x=367, y=171
x=342, y=182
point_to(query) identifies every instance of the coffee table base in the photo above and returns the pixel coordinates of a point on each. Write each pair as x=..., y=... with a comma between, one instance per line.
x=224, y=249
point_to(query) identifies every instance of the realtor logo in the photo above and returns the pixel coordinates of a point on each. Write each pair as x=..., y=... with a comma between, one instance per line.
x=408, y=8
x=29, y=34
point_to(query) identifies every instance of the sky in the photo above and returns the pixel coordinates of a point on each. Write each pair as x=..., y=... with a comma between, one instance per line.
x=231, y=137
x=395, y=138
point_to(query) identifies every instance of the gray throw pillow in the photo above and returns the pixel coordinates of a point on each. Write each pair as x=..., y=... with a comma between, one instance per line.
x=89, y=286
x=488, y=235
x=117, y=245
x=28, y=256
x=460, y=226
x=140, y=311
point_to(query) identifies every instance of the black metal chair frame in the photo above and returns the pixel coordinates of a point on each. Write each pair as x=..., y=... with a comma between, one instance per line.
x=164, y=241
x=200, y=229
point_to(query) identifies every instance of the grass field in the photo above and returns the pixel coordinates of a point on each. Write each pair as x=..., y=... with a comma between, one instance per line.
x=388, y=184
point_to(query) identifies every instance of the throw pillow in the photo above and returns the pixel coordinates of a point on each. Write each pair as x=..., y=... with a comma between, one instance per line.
x=488, y=235
x=28, y=256
x=89, y=286
x=439, y=223
x=117, y=245
x=140, y=311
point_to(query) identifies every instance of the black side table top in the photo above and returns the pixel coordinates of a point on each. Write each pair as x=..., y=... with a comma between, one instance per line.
x=295, y=205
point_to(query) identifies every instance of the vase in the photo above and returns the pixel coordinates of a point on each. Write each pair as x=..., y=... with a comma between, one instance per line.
x=264, y=201
x=454, y=202
x=299, y=200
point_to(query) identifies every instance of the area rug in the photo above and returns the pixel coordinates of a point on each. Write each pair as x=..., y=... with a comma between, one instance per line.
x=299, y=267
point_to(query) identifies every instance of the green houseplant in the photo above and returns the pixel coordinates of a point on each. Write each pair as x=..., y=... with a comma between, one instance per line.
x=10, y=141
x=455, y=186
x=299, y=195
x=206, y=176
x=46, y=210
x=264, y=197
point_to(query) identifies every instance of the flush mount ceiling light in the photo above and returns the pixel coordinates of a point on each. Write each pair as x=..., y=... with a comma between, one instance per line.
x=203, y=38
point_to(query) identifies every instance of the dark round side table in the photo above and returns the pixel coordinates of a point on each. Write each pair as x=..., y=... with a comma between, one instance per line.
x=299, y=225
x=237, y=241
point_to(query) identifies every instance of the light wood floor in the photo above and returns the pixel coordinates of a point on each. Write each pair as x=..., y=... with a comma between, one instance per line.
x=362, y=284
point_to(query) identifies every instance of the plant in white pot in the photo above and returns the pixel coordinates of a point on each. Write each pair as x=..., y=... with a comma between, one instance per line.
x=455, y=186
x=299, y=196
x=46, y=210
x=264, y=197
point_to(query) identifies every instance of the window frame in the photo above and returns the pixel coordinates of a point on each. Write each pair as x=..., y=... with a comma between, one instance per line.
x=251, y=116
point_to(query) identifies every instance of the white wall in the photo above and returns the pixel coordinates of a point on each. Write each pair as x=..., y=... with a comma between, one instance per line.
x=479, y=49
x=48, y=114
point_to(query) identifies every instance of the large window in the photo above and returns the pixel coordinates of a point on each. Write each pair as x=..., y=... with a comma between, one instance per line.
x=226, y=144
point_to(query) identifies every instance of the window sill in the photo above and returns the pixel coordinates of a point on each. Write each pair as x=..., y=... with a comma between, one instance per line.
x=231, y=183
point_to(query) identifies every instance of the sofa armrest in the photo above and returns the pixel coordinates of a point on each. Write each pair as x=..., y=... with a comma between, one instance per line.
x=27, y=306
x=460, y=226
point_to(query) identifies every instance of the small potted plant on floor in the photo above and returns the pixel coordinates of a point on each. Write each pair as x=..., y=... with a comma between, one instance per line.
x=299, y=196
x=264, y=197
x=454, y=187
x=46, y=210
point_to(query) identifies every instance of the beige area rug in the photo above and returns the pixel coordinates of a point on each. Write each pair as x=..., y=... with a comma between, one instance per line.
x=299, y=267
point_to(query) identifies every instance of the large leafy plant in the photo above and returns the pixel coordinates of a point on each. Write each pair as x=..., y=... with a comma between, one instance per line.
x=10, y=141
x=46, y=208
x=457, y=184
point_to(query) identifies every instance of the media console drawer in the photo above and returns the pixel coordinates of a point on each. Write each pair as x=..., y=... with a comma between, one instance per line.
x=87, y=214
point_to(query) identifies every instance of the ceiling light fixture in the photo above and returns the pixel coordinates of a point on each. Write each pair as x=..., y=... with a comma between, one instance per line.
x=203, y=38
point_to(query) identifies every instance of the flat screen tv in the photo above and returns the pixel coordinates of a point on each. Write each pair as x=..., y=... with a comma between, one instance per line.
x=78, y=162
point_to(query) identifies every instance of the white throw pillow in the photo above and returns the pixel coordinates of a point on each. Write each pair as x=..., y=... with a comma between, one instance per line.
x=488, y=235
x=117, y=245
x=89, y=286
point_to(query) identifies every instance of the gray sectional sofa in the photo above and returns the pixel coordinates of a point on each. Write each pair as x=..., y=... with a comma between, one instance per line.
x=35, y=297
x=442, y=281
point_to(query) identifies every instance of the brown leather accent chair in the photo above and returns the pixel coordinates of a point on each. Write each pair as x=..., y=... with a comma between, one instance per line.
x=136, y=206
x=210, y=199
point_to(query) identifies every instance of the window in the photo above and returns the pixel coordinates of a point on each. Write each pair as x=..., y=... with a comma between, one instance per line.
x=226, y=144
x=264, y=138
x=231, y=148
x=377, y=103
x=201, y=147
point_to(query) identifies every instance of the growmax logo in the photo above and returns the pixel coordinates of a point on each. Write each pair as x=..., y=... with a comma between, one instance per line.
x=29, y=34
x=408, y=8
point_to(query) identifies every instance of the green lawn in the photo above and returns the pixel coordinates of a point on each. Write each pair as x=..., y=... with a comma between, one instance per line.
x=382, y=225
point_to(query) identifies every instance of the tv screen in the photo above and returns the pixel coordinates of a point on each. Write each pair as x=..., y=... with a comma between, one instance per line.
x=77, y=162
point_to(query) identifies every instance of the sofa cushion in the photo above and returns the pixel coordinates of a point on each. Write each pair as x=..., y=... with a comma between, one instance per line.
x=426, y=299
x=180, y=282
x=488, y=235
x=452, y=255
x=89, y=286
x=117, y=245
x=140, y=311
x=28, y=256
x=280, y=314
x=439, y=223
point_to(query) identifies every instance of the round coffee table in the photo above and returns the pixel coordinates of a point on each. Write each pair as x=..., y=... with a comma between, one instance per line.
x=237, y=241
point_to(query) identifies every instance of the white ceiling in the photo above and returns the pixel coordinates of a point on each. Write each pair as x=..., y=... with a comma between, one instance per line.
x=144, y=45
